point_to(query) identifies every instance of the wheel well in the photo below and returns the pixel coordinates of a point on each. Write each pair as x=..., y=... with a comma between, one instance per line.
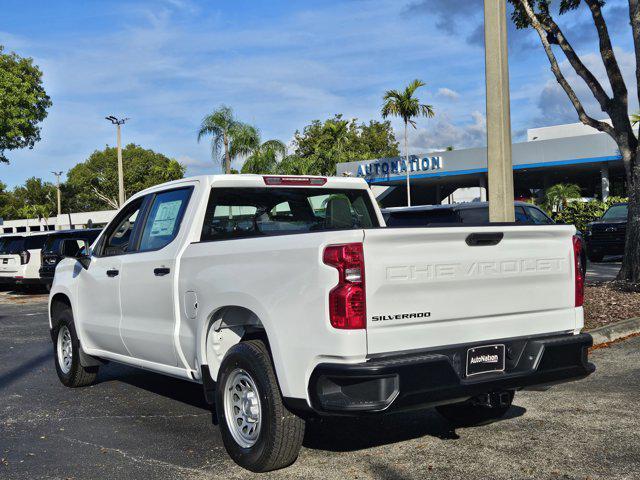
x=59, y=302
x=232, y=317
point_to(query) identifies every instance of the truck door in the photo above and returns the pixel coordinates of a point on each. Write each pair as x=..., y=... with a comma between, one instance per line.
x=148, y=276
x=99, y=285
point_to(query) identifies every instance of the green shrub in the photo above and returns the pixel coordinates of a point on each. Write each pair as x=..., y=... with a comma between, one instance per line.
x=581, y=213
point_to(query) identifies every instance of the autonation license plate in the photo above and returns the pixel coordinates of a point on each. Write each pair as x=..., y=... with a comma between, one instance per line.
x=485, y=359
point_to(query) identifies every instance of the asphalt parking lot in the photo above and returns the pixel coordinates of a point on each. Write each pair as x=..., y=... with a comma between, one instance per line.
x=138, y=425
x=604, y=271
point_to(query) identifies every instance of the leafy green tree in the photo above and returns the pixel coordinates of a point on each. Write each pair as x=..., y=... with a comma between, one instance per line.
x=229, y=136
x=264, y=159
x=612, y=98
x=292, y=165
x=23, y=103
x=405, y=105
x=34, y=199
x=556, y=197
x=323, y=144
x=93, y=184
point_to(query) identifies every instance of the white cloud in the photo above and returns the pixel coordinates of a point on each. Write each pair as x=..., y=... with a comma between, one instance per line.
x=445, y=133
x=554, y=105
x=448, y=93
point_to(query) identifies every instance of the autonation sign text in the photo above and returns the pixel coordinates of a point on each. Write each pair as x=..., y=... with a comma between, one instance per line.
x=388, y=166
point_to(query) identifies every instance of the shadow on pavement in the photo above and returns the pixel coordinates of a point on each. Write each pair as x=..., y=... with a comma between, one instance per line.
x=350, y=434
x=23, y=369
x=180, y=390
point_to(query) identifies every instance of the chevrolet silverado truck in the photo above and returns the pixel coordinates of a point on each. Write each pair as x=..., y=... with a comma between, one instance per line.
x=287, y=297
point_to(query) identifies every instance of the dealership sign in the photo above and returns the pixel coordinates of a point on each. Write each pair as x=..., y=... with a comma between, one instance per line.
x=391, y=166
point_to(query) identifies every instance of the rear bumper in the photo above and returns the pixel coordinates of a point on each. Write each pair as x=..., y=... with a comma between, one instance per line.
x=47, y=273
x=28, y=281
x=436, y=377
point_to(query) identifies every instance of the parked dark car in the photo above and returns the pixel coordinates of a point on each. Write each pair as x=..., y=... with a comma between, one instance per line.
x=472, y=213
x=606, y=236
x=52, y=253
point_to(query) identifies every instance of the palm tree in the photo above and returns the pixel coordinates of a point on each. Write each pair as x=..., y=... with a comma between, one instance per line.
x=556, y=197
x=635, y=118
x=405, y=105
x=234, y=137
x=264, y=159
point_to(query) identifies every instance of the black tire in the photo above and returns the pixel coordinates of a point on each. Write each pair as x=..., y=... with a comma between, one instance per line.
x=73, y=375
x=595, y=257
x=466, y=414
x=281, y=432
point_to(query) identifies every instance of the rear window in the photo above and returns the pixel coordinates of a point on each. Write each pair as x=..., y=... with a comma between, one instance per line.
x=34, y=243
x=420, y=218
x=52, y=245
x=13, y=246
x=251, y=212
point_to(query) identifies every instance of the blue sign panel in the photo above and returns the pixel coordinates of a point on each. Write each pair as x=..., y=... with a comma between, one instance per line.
x=395, y=166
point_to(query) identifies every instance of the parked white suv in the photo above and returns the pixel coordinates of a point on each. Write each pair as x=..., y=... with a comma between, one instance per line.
x=20, y=258
x=285, y=297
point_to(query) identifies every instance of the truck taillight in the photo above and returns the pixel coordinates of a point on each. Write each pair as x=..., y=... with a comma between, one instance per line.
x=347, y=300
x=24, y=257
x=579, y=276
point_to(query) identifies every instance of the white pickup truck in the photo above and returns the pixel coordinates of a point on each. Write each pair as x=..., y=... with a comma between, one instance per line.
x=286, y=297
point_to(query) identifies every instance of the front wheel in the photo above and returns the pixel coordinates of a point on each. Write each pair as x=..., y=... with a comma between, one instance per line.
x=258, y=431
x=66, y=349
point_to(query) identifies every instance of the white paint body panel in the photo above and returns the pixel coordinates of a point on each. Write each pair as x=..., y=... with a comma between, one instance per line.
x=163, y=323
x=9, y=265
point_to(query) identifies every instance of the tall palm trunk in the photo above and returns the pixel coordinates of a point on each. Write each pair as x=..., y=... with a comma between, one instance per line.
x=406, y=154
x=227, y=157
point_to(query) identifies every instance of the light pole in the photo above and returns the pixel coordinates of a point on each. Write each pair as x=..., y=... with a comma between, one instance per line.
x=118, y=122
x=499, y=163
x=57, y=174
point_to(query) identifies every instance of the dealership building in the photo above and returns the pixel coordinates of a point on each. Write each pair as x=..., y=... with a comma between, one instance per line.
x=572, y=153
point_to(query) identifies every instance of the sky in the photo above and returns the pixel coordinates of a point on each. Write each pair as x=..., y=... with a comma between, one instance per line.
x=279, y=64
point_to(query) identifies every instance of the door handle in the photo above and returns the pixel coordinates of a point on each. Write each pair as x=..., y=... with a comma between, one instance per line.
x=161, y=271
x=113, y=272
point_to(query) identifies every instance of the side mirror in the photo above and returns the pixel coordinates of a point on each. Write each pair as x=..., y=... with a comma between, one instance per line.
x=78, y=249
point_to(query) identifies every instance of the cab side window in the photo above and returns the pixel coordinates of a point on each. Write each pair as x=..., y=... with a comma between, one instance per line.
x=119, y=235
x=163, y=222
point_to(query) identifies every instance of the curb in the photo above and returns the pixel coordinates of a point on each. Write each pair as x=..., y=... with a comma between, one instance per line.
x=617, y=330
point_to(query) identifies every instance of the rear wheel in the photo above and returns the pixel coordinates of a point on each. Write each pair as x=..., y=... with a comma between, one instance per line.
x=258, y=431
x=472, y=413
x=67, y=352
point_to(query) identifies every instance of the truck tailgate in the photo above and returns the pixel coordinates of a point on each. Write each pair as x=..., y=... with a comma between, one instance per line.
x=428, y=287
